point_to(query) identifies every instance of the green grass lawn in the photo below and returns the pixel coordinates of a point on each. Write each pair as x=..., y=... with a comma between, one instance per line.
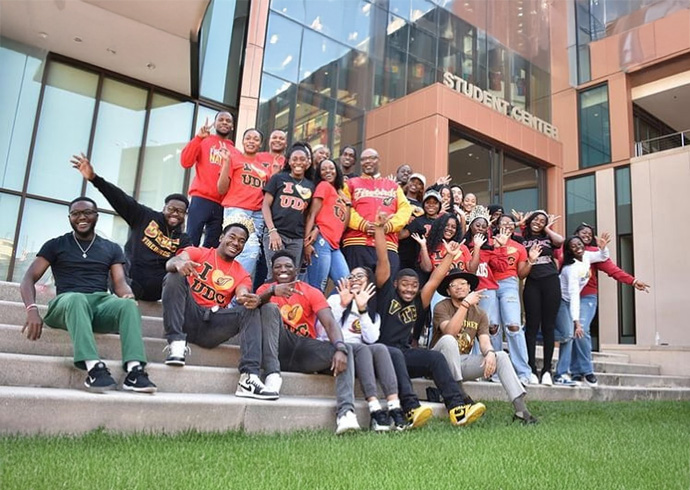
x=577, y=445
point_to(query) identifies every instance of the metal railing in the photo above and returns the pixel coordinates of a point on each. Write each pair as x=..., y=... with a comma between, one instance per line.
x=662, y=143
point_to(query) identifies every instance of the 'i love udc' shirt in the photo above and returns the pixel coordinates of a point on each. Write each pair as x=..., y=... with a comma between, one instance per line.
x=248, y=176
x=217, y=280
x=291, y=198
x=299, y=310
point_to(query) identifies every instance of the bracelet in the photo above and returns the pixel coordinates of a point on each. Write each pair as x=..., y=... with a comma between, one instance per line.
x=32, y=306
x=271, y=230
x=487, y=352
x=338, y=342
x=361, y=312
x=465, y=304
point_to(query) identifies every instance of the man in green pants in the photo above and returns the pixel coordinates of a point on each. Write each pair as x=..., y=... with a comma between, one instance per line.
x=81, y=263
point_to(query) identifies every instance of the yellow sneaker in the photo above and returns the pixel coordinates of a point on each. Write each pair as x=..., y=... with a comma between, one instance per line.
x=419, y=416
x=466, y=414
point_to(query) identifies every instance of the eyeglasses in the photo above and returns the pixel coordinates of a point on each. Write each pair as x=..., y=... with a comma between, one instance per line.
x=359, y=275
x=458, y=284
x=174, y=210
x=87, y=213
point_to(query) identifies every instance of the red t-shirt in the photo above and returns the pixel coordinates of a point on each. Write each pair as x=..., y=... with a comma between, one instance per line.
x=515, y=253
x=277, y=161
x=205, y=154
x=331, y=218
x=217, y=280
x=248, y=176
x=299, y=310
x=461, y=262
x=491, y=262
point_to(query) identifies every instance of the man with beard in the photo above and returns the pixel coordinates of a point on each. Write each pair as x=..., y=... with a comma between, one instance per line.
x=196, y=293
x=369, y=195
x=300, y=306
x=154, y=236
x=206, y=152
x=81, y=263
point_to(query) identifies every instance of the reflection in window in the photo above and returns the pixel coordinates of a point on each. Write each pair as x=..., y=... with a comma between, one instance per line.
x=64, y=128
x=312, y=118
x=595, y=135
x=275, y=100
x=469, y=164
x=349, y=128
x=389, y=78
x=170, y=126
x=319, y=67
x=520, y=185
x=580, y=202
x=9, y=207
x=117, y=141
x=21, y=85
x=283, y=47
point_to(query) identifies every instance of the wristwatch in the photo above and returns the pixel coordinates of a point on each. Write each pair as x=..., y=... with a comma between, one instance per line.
x=341, y=347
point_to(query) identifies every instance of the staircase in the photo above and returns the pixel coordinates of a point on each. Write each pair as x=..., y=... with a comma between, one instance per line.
x=42, y=392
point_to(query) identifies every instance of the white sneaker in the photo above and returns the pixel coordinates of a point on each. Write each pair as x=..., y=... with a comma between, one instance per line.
x=250, y=386
x=273, y=382
x=177, y=351
x=533, y=380
x=347, y=423
x=546, y=379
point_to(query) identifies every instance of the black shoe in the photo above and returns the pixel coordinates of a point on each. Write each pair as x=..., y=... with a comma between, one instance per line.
x=250, y=386
x=99, y=379
x=138, y=380
x=578, y=378
x=528, y=419
x=591, y=380
x=380, y=421
x=398, y=418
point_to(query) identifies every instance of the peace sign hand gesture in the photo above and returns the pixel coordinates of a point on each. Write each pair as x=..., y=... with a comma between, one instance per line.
x=205, y=130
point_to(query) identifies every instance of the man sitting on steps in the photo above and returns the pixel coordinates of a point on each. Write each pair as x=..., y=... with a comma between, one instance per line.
x=81, y=263
x=200, y=284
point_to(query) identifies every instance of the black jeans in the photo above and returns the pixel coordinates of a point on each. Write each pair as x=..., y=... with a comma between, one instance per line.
x=408, y=398
x=184, y=319
x=306, y=355
x=363, y=256
x=542, y=298
x=204, y=216
x=422, y=362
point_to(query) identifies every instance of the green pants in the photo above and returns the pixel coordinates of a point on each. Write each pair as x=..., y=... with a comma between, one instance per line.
x=83, y=314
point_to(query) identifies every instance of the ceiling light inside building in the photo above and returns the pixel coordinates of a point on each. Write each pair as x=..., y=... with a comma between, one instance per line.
x=111, y=50
x=43, y=35
x=77, y=39
x=150, y=65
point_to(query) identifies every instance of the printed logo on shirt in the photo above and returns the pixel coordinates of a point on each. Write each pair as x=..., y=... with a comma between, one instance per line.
x=292, y=202
x=465, y=340
x=356, y=327
x=388, y=201
x=158, y=242
x=483, y=270
x=305, y=192
x=215, y=157
x=291, y=313
x=251, y=180
x=394, y=307
x=221, y=281
x=339, y=209
x=199, y=287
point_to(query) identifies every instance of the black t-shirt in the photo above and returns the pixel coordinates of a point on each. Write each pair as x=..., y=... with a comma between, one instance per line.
x=291, y=198
x=398, y=318
x=73, y=272
x=545, y=266
x=408, y=249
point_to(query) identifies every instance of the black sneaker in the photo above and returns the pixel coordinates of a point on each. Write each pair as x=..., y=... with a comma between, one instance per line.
x=578, y=378
x=380, y=421
x=398, y=418
x=138, y=380
x=591, y=380
x=527, y=419
x=99, y=380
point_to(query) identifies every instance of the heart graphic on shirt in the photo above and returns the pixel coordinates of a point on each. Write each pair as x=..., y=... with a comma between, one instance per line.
x=305, y=192
x=291, y=313
x=221, y=281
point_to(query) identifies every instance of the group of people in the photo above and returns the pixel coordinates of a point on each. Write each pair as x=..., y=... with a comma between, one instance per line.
x=406, y=262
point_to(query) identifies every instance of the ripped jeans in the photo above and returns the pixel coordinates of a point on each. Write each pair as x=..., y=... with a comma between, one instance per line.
x=508, y=296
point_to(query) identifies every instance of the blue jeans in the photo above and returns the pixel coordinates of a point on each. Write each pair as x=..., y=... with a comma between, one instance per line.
x=564, y=335
x=204, y=217
x=252, y=248
x=581, y=362
x=508, y=296
x=326, y=262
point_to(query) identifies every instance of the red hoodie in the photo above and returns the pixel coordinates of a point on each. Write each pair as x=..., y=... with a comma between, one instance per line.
x=204, y=153
x=607, y=266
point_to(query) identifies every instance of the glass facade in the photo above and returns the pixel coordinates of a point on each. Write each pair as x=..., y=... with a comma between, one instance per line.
x=52, y=108
x=494, y=175
x=595, y=130
x=327, y=62
x=580, y=202
x=624, y=239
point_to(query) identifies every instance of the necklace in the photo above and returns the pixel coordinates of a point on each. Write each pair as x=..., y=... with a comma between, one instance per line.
x=83, y=252
x=294, y=179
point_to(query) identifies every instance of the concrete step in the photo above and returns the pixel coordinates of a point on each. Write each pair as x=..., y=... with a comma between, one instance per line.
x=27, y=410
x=9, y=291
x=645, y=380
x=625, y=368
x=14, y=313
x=603, y=356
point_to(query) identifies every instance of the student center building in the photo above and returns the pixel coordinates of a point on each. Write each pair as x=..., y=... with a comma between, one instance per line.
x=576, y=106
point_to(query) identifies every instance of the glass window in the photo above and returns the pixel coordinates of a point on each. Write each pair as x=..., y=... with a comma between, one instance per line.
x=389, y=77
x=275, y=100
x=349, y=128
x=422, y=45
x=580, y=202
x=117, y=141
x=401, y=8
x=626, y=293
x=319, y=63
x=498, y=70
x=20, y=87
x=457, y=46
x=291, y=8
x=469, y=164
x=520, y=185
x=419, y=74
x=313, y=122
x=595, y=135
x=354, y=79
x=9, y=208
x=170, y=126
x=64, y=129
x=283, y=47
x=424, y=14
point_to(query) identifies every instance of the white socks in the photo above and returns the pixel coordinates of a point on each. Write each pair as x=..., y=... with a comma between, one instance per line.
x=374, y=406
x=393, y=404
x=90, y=364
x=132, y=364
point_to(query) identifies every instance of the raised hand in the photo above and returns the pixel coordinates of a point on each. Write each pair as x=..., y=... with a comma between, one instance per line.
x=81, y=163
x=474, y=297
x=534, y=253
x=445, y=206
x=502, y=238
x=452, y=248
x=443, y=180
x=419, y=239
x=205, y=130
x=343, y=288
x=603, y=240
x=478, y=240
x=363, y=296
x=552, y=220
x=224, y=153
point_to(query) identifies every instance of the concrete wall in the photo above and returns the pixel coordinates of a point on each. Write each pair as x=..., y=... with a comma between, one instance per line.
x=661, y=198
